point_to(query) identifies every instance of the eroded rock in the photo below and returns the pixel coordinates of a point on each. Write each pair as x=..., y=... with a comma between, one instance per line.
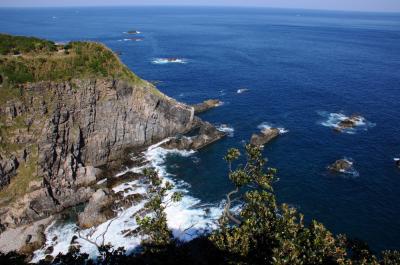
x=207, y=134
x=264, y=137
x=349, y=122
x=206, y=105
x=341, y=166
x=98, y=210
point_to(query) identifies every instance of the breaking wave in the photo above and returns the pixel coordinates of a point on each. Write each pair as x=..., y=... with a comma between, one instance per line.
x=226, y=129
x=131, y=39
x=332, y=120
x=169, y=60
x=242, y=90
x=267, y=125
x=187, y=218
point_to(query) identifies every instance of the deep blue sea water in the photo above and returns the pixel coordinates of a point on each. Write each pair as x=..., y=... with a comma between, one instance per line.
x=299, y=67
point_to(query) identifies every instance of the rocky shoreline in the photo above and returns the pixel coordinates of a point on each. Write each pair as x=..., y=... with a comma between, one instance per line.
x=73, y=134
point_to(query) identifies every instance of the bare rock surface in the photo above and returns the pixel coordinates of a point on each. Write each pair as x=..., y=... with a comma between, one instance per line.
x=207, y=134
x=349, y=122
x=25, y=238
x=98, y=210
x=264, y=137
x=206, y=105
x=341, y=166
x=70, y=129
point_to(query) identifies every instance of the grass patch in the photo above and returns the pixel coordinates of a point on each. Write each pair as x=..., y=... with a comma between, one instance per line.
x=19, y=184
x=19, y=44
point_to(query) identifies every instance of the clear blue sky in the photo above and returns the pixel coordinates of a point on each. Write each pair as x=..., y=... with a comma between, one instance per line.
x=361, y=5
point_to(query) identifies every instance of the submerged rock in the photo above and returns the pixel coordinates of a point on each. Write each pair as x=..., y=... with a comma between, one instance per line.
x=264, y=137
x=206, y=105
x=133, y=32
x=341, y=166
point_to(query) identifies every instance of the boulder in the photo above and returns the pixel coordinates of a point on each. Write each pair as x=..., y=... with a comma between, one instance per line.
x=264, y=137
x=341, y=166
x=98, y=210
x=206, y=105
x=397, y=162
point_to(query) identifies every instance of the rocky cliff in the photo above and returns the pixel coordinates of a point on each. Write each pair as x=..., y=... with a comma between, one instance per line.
x=56, y=134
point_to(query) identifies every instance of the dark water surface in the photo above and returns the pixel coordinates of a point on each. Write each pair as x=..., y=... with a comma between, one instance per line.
x=299, y=66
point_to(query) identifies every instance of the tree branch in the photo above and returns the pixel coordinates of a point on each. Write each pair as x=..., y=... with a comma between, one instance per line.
x=227, y=212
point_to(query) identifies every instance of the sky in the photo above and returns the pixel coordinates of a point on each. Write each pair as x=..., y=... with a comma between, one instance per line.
x=359, y=5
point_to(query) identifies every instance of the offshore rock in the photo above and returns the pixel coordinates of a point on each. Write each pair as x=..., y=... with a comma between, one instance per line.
x=341, y=166
x=207, y=134
x=206, y=105
x=349, y=123
x=264, y=137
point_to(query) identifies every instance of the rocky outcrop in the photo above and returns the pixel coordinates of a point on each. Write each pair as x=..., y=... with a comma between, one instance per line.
x=24, y=239
x=349, y=122
x=206, y=105
x=206, y=134
x=341, y=166
x=75, y=127
x=98, y=210
x=264, y=137
x=8, y=169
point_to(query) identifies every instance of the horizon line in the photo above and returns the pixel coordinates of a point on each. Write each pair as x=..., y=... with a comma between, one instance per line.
x=199, y=5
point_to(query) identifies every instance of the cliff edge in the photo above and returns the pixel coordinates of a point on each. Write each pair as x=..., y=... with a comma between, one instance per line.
x=65, y=111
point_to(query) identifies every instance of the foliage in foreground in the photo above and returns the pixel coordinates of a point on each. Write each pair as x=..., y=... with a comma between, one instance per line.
x=260, y=232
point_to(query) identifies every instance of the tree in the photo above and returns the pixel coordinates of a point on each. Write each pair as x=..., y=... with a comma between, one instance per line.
x=263, y=232
x=153, y=226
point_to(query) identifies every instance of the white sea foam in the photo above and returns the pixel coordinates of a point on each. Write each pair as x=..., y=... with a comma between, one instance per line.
x=101, y=181
x=332, y=120
x=242, y=90
x=169, y=60
x=226, y=129
x=131, y=39
x=267, y=125
x=396, y=159
x=187, y=219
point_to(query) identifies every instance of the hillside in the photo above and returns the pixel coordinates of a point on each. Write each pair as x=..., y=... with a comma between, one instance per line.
x=66, y=111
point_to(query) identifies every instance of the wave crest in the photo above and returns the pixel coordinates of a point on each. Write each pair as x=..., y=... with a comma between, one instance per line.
x=267, y=125
x=169, y=60
x=187, y=219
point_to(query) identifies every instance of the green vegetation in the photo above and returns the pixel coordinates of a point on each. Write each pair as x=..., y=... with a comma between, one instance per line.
x=15, y=45
x=261, y=232
x=27, y=172
x=154, y=225
x=83, y=60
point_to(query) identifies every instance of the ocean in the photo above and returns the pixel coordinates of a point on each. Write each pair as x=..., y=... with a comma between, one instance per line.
x=299, y=70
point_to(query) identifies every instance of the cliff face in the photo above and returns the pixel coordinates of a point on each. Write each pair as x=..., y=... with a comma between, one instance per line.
x=55, y=135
